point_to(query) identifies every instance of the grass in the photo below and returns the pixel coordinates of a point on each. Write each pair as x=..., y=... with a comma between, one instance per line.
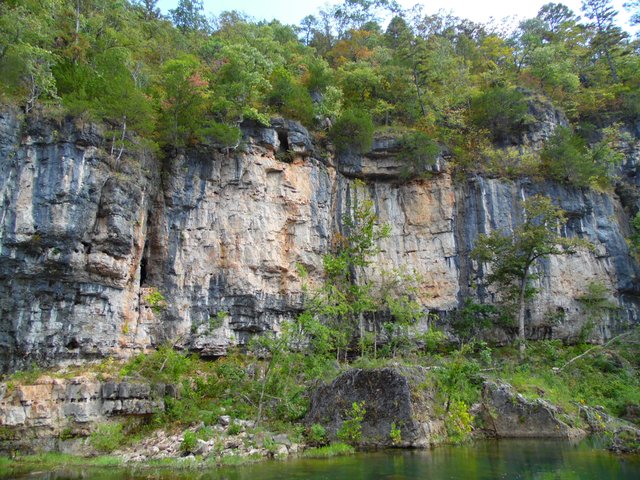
x=328, y=451
x=10, y=467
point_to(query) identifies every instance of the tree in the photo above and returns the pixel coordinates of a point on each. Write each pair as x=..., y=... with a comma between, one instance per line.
x=184, y=95
x=188, y=17
x=346, y=297
x=608, y=35
x=353, y=130
x=558, y=19
x=307, y=26
x=149, y=8
x=511, y=256
x=634, y=8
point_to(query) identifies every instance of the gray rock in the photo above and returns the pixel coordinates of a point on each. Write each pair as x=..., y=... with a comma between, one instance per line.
x=282, y=439
x=507, y=414
x=84, y=241
x=390, y=396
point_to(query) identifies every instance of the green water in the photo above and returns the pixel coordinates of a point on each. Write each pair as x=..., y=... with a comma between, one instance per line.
x=540, y=460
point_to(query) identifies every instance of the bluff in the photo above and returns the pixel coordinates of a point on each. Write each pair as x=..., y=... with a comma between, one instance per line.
x=105, y=256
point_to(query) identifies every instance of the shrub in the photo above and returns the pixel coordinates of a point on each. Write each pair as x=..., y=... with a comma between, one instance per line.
x=418, y=152
x=107, y=437
x=565, y=158
x=189, y=442
x=503, y=111
x=156, y=301
x=458, y=422
x=353, y=130
x=317, y=434
x=395, y=434
x=234, y=428
x=289, y=97
x=227, y=136
x=351, y=429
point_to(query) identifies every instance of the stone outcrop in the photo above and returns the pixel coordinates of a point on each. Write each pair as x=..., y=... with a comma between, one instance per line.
x=100, y=256
x=392, y=397
x=507, y=414
x=45, y=414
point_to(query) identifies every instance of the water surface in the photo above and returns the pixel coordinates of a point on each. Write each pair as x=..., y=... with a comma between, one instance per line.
x=513, y=459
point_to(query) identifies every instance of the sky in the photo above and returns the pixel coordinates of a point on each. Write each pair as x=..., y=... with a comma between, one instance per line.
x=291, y=12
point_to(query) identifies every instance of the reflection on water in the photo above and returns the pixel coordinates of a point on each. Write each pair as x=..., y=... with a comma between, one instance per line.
x=513, y=459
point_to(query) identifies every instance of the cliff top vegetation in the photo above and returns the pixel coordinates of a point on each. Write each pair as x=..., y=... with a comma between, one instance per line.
x=184, y=79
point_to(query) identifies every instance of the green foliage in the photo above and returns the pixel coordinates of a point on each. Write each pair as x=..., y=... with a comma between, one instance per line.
x=156, y=301
x=193, y=81
x=163, y=365
x=395, y=434
x=289, y=97
x=635, y=233
x=218, y=320
x=27, y=376
x=350, y=431
x=503, y=111
x=458, y=422
x=317, y=434
x=234, y=428
x=458, y=381
x=352, y=131
x=567, y=158
x=511, y=255
x=474, y=317
x=333, y=450
x=419, y=152
x=189, y=442
x=107, y=437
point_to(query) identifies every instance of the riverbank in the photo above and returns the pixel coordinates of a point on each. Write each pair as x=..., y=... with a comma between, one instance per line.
x=166, y=406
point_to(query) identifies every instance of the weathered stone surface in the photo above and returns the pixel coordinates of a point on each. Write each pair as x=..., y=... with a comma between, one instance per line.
x=86, y=242
x=390, y=396
x=483, y=205
x=507, y=414
x=38, y=414
x=71, y=239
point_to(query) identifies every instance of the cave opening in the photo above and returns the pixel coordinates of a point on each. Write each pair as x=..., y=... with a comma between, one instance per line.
x=284, y=141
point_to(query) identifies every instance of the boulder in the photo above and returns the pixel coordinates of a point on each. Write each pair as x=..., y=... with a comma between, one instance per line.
x=390, y=396
x=507, y=414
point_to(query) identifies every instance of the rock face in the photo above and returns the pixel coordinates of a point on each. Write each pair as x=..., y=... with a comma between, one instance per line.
x=72, y=232
x=42, y=415
x=390, y=396
x=507, y=414
x=104, y=257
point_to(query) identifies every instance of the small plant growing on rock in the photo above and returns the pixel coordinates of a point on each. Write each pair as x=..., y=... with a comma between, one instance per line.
x=189, y=442
x=234, y=428
x=217, y=320
x=156, y=301
x=351, y=429
x=395, y=434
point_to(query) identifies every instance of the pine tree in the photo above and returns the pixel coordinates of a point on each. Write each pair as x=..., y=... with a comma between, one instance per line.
x=608, y=35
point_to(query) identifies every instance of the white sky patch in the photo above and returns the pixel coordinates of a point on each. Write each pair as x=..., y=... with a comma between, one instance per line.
x=477, y=10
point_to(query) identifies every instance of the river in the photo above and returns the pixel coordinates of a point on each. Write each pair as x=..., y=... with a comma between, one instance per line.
x=512, y=459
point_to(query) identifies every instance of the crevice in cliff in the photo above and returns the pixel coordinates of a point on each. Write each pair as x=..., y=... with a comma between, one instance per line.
x=143, y=261
x=283, y=138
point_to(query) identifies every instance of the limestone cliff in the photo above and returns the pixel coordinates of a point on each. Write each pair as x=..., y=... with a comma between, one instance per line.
x=86, y=240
